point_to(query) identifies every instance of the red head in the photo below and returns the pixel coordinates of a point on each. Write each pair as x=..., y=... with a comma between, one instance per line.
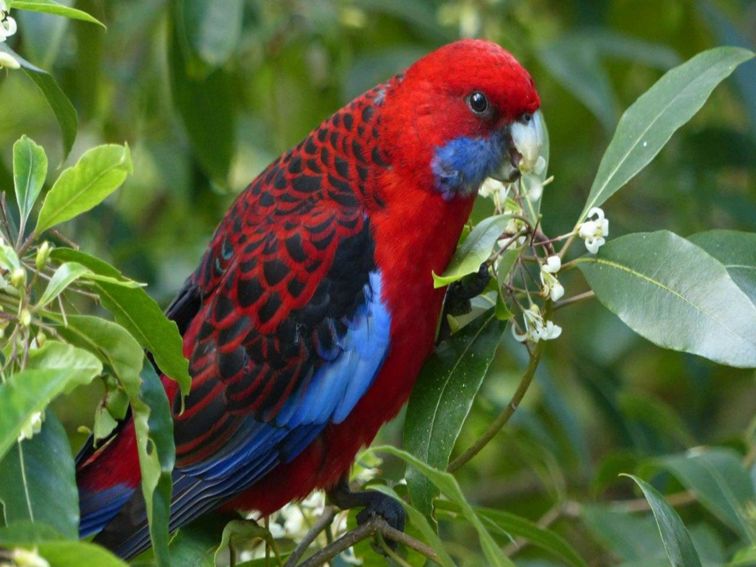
x=448, y=123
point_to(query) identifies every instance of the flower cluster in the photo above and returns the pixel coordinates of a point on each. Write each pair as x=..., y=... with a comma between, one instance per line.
x=594, y=230
x=8, y=27
x=536, y=329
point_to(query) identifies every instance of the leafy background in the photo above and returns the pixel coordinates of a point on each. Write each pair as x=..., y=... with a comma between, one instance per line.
x=207, y=93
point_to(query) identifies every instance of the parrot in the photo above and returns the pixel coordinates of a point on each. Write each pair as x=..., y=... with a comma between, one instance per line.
x=313, y=308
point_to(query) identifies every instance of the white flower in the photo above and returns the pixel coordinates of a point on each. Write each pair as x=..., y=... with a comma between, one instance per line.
x=551, y=286
x=7, y=24
x=536, y=329
x=553, y=264
x=594, y=231
x=28, y=558
x=8, y=61
x=32, y=426
x=491, y=187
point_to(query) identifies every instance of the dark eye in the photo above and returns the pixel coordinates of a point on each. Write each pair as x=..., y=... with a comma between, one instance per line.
x=478, y=102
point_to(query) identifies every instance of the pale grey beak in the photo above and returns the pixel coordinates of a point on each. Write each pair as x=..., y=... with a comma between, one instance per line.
x=529, y=141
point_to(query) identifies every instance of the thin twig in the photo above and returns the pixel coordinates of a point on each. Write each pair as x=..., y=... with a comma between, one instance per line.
x=575, y=299
x=322, y=523
x=505, y=415
x=375, y=525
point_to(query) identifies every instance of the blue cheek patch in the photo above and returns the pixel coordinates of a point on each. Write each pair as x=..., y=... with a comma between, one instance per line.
x=461, y=165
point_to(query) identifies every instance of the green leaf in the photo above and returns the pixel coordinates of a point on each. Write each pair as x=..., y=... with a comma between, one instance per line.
x=98, y=173
x=157, y=454
x=212, y=28
x=475, y=250
x=64, y=111
x=29, y=391
x=76, y=554
x=744, y=558
x=650, y=121
x=674, y=294
x=140, y=315
x=195, y=544
x=512, y=525
x=51, y=7
x=610, y=525
x=26, y=533
x=736, y=250
x=419, y=521
x=204, y=101
x=447, y=484
x=29, y=173
x=442, y=398
x=38, y=480
x=64, y=276
x=113, y=344
x=720, y=482
x=8, y=258
x=677, y=542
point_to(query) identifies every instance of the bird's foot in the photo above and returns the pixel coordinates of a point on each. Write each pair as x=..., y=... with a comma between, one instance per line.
x=373, y=504
x=458, y=296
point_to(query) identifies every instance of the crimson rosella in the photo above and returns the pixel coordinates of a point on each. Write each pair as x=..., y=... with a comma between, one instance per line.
x=313, y=308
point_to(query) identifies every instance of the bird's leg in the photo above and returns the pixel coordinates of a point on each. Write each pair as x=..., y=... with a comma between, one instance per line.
x=458, y=296
x=373, y=504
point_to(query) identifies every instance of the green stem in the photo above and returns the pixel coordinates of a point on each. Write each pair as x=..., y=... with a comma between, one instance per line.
x=505, y=415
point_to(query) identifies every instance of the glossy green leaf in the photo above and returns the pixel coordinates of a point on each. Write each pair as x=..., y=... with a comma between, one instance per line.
x=64, y=111
x=26, y=533
x=139, y=314
x=98, y=173
x=744, y=558
x=29, y=173
x=212, y=28
x=153, y=423
x=511, y=525
x=736, y=250
x=54, y=8
x=37, y=480
x=76, y=554
x=56, y=369
x=475, y=250
x=65, y=275
x=648, y=124
x=676, y=539
x=442, y=398
x=205, y=102
x=720, y=482
x=448, y=486
x=419, y=521
x=674, y=294
x=196, y=543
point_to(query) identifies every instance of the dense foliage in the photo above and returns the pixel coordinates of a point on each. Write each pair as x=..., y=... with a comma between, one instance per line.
x=594, y=407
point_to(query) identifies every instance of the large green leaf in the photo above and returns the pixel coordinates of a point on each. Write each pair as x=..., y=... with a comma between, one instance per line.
x=213, y=29
x=674, y=294
x=157, y=454
x=449, y=487
x=205, y=102
x=98, y=173
x=720, y=482
x=64, y=111
x=29, y=173
x=676, y=539
x=475, y=250
x=56, y=368
x=139, y=314
x=650, y=121
x=736, y=250
x=512, y=525
x=52, y=7
x=442, y=398
x=37, y=481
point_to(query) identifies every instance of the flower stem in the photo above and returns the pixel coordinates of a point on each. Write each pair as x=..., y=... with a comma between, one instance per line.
x=505, y=415
x=575, y=299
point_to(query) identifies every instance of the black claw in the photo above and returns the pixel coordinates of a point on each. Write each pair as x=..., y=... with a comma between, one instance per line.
x=458, y=296
x=373, y=504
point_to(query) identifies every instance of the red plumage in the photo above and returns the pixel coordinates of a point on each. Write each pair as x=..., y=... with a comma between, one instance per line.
x=289, y=279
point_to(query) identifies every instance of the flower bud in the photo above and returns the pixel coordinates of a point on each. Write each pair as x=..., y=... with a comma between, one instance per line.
x=43, y=253
x=18, y=278
x=24, y=318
